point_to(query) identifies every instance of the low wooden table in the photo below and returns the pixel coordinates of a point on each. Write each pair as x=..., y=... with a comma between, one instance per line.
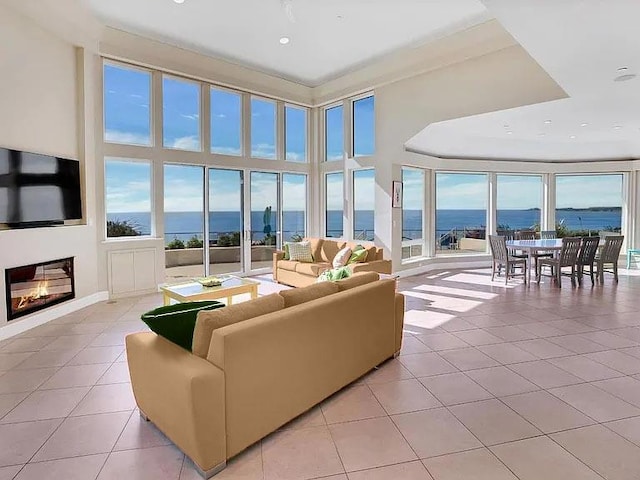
x=192, y=291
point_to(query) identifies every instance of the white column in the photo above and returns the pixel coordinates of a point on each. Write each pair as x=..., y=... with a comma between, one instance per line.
x=430, y=208
x=548, y=202
x=492, y=204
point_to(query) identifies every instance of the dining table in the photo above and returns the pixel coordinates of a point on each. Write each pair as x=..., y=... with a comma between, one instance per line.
x=532, y=247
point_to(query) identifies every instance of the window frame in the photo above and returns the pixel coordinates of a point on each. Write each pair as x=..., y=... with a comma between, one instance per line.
x=352, y=124
x=151, y=109
x=276, y=124
x=240, y=94
x=152, y=201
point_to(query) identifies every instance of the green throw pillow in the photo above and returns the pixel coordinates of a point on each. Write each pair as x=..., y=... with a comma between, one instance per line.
x=286, y=251
x=358, y=255
x=177, y=322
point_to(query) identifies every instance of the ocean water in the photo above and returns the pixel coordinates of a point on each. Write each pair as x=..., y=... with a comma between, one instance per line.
x=184, y=225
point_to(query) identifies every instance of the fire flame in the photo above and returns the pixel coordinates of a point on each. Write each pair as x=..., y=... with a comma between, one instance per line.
x=39, y=292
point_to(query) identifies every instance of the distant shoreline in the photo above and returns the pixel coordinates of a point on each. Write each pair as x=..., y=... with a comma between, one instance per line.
x=587, y=209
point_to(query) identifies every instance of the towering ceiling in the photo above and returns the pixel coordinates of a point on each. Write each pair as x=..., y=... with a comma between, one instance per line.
x=327, y=38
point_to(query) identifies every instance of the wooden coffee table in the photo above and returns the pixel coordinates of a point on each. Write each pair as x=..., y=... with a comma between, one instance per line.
x=192, y=291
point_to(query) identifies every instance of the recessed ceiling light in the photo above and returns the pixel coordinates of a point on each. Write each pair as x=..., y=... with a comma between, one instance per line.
x=547, y=122
x=339, y=17
x=617, y=127
x=623, y=69
x=584, y=124
x=179, y=2
x=541, y=134
x=284, y=40
x=509, y=133
x=624, y=78
x=572, y=136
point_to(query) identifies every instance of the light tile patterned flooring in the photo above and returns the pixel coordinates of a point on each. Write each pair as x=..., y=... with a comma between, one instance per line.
x=494, y=383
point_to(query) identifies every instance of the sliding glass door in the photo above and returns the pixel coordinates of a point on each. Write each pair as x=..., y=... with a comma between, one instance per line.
x=242, y=228
x=226, y=221
x=183, y=222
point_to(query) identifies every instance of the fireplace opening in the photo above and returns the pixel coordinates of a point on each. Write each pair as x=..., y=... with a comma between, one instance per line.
x=34, y=287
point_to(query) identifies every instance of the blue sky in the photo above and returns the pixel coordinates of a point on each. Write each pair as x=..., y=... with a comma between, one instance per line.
x=128, y=120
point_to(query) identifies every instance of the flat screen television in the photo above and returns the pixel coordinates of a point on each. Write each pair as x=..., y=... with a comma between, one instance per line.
x=38, y=190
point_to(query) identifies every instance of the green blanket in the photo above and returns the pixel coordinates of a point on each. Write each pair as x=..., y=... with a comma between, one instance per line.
x=334, y=274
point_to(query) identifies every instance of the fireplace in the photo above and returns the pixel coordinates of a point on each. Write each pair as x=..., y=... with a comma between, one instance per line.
x=34, y=287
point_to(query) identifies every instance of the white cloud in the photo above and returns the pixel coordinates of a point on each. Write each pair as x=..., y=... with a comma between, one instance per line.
x=220, y=115
x=193, y=116
x=295, y=157
x=226, y=150
x=135, y=95
x=128, y=138
x=191, y=142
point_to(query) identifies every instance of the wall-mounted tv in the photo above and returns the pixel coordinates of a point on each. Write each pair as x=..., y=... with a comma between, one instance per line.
x=38, y=190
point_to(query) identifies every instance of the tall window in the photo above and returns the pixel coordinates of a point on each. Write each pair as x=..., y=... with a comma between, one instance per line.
x=334, y=204
x=128, y=197
x=295, y=133
x=294, y=207
x=226, y=122
x=588, y=204
x=127, y=105
x=334, y=133
x=364, y=190
x=461, y=212
x=363, y=127
x=519, y=202
x=180, y=114
x=263, y=128
x=412, y=212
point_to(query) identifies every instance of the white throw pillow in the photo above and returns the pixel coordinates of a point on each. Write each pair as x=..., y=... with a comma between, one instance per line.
x=342, y=257
x=300, y=252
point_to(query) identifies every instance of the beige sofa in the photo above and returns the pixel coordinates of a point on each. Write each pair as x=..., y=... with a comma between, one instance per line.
x=299, y=274
x=260, y=373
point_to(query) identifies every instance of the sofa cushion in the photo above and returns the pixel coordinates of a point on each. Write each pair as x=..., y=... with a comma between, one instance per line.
x=316, y=248
x=300, y=251
x=356, y=280
x=297, y=296
x=329, y=250
x=208, y=321
x=372, y=253
x=341, y=258
x=287, y=265
x=313, y=269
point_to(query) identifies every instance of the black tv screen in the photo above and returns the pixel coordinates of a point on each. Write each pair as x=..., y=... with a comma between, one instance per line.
x=38, y=190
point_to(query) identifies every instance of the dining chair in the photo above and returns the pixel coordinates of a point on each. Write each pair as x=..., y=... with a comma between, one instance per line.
x=587, y=256
x=548, y=234
x=501, y=258
x=524, y=235
x=567, y=258
x=609, y=255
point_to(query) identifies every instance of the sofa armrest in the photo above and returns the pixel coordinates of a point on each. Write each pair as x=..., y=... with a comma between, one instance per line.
x=399, y=317
x=182, y=394
x=380, y=266
x=277, y=255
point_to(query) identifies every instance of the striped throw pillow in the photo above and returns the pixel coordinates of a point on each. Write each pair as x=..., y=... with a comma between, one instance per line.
x=300, y=252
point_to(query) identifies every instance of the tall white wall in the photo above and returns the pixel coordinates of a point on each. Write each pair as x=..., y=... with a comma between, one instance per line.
x=42, y=110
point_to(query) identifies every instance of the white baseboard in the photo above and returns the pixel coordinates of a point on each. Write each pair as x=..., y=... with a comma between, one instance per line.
x=16, y=327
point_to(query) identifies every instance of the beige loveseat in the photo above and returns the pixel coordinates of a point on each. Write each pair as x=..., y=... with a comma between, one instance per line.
x=299, y=274
x=247, y=379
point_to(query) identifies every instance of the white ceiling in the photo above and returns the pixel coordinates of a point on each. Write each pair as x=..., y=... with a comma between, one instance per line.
x=328, y=37
x=581, y=44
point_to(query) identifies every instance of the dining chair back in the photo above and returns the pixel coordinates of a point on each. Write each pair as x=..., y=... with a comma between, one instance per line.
x=569, y=252
x=586, y=256
x=525, y=235
x=548, y=234
x=498, y=245
x=609, y=255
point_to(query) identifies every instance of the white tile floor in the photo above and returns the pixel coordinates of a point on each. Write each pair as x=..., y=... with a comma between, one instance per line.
x=494, y=383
